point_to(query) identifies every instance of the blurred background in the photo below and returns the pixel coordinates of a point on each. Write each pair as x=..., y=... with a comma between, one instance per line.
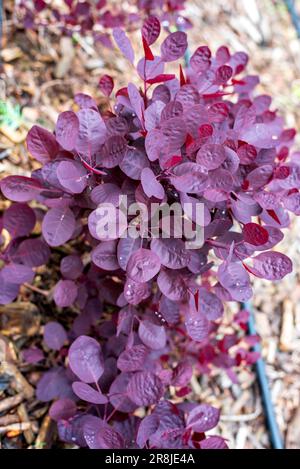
x=41, y=70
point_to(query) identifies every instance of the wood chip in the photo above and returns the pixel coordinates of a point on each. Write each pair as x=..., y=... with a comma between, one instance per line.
x=287, y=334
x=16, y=428
x=20, y=318
x=19, y=382
x=11, y=402
x=11, y=53
x=44, y=438
x=9, y=419
x=28, y=434
x=67, y=56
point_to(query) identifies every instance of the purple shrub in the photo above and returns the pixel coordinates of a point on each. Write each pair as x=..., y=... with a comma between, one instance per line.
x=98, y=17
x=152, y=305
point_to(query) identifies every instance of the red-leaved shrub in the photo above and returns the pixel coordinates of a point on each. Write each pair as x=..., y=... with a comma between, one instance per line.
x=149, y=309
x=97, y=18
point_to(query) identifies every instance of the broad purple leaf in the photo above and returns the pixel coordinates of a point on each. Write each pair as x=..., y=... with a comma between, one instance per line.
x=197, y=326
x=143, y=265
x=150, y=69
x=58, y=226
x=145, y=388
x=107, y=224
x=54, y=384
x=152, y=115
x=171, y=426
x=189, y=177
x=261, y=135
x=172, y=252
x=210, y=305
x=147, y=428
x=71, y=267
x=220, y=184
x=72, y=176
x=124, y=44
x=106, y=85
x=136, y=101
x=108, y=438
x=85, y=101
x=292, y=203
x=106, y=193
x=105, y=255
x=65, y=293
x=260, y=176
x=91, y=134
x=222, y=55
x=174, y=46
x=42, y=144
x=91, y=429
x=19, y=219
x=99, y=435
x=151, y=29
x=17, y=273
x=136, y=292
x=247, y=153
x=172, y=109
x=272, y=265
x=86, y=360
x=151, y=186
x=117, y=126
x=152, y=335
x=231, y=162
x=62, y=409
x=200, y=60
x=275, y=236
x=213, y=442
x=118, y=393
x=132, y=359
x=20, y=188
x=235, y=279
x=54, y=335
x=112, y=152
x=125, y=320
x=187, y=96
x=126, y=247
x=203, y=417
x=32, y=252
x=182, y=374
x=87, y=393
x=211, y=156
x=172, y=285
x=8, y=291
x=71, y=431
x=134, y=162
x=198, y=262
x=174, y=132
x=153, y=145
x=293, y=179
x=66, y=130
x=169, y=310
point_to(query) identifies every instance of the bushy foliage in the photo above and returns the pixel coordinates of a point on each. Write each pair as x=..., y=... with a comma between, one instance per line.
x=150, y=309
x=97, y=17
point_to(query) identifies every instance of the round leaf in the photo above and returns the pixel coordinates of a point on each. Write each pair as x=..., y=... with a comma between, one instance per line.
x=152, y=335
x=143, y=265
x=85, y=358
x=58, y=226
x=145, y=388
x=87, y=393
